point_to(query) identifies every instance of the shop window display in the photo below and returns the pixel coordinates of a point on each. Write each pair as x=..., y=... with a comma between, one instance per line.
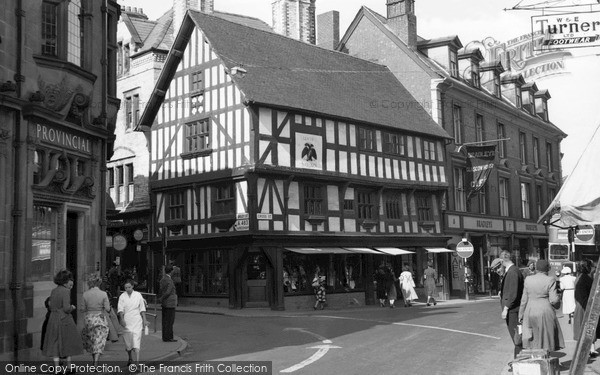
x=344, y=272
x=206, y=273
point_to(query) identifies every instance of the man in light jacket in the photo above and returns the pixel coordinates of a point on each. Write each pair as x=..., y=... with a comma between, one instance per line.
x=168, y=302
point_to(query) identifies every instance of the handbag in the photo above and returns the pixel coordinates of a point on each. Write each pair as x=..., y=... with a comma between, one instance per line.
x=114, y=327
x=518, y=336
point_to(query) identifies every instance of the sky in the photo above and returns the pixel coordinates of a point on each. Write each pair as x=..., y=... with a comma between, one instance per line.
x=574, y=104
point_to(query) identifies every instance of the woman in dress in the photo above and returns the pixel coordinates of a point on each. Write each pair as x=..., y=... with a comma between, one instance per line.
x=567, y=286
x=390, y=287
x=379, y=278
x=541, y=329
x=62, y=339
x=318, y=284
x=430, y=276
x=132, y=315
x=95, y=329
x=407, y=284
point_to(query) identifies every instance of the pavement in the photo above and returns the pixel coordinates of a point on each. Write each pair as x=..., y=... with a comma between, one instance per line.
x=154, y=350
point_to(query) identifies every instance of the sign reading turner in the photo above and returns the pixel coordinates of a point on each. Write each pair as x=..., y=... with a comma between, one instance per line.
x=568, y=30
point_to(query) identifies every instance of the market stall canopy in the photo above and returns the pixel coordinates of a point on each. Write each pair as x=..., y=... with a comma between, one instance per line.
x=393, y=251
x=438, y=250
x=578, y=200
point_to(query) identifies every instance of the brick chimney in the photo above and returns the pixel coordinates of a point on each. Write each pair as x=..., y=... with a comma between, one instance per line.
x=181, y=6
x=295, y=19
x=328, y=29
x=401, y=20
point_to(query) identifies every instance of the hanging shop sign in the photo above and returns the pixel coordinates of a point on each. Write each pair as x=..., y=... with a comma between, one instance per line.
x=138, y=234
x=568, y=30
x=480, y=162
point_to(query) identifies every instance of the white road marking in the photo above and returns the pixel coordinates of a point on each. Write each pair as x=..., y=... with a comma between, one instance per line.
x=411, y=325
x=324, y=339
x=323, y=349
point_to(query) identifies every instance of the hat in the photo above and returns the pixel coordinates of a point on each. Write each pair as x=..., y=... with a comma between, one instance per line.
x=566, y=270
x=496, y=263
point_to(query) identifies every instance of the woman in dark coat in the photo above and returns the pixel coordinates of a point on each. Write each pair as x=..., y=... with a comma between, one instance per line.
x=541, y=329
x=380, y=285
x=390, y=287
x=429, y=278
x=62, y=340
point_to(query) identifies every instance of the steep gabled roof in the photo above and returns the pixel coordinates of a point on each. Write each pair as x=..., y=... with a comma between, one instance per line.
x=286, y=73
x=159, y=34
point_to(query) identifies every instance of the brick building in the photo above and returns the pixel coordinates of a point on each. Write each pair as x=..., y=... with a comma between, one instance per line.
x=477, y=102
x=58, y=107
x=295, y=19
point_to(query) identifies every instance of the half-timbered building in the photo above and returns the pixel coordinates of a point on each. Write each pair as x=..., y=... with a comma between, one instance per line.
x=479, y=103
x=270, y=156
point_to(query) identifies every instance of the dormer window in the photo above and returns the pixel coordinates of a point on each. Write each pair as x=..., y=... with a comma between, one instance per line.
x=453, y=63
x=491, y=77
x=518, y=98
x=468, y=64
x=541, y=104
x=475, y=79
x=527, y=91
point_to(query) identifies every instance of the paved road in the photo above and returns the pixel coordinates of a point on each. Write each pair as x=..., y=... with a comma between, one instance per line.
x=454, y=339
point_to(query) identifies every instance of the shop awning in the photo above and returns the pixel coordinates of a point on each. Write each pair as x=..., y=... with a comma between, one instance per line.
x=438, y=250
x=393, y=251
x=318, y=250
x=362, y=250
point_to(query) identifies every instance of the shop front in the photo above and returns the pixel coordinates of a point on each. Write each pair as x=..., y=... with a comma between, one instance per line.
x=227, y=273
x=489, y=236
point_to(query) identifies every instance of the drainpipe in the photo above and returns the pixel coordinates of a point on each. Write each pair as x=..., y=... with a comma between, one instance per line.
x=103, y=142
x=19, y=195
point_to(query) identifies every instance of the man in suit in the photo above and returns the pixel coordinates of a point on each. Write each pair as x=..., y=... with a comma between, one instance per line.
x=511, y=291
x=168, y=301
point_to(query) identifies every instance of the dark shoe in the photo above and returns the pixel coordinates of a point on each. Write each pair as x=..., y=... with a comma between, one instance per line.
x=428, y=304
x=391, y=306
x=593, y=354
x=434, y=303
x=314, y=307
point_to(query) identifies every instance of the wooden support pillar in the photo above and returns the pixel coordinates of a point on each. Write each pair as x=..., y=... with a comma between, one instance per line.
x=236, y=277
x=588, y=331
x=275, y=257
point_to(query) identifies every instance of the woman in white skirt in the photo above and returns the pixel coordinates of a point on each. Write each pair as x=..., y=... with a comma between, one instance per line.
x=132, y=315
x=407, y=284
x=567, y=285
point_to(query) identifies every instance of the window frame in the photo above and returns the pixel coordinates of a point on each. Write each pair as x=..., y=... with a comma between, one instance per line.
x=453, y=62
x=176, y=205
x=525, y=200
x=457, y=121
x=429, y=150
x=393, y=206
x=366, y=209
x=536, y=152
x=64, y=33
x=504, y=196
x=200, y=136
x=223, y=202
x=523, y=147
x=549, y=157
x=313, y=199
x=394, y=144
x=460, y=192
x=502, y=144
x=424, y=207
x=479, y=127
x=367, y=139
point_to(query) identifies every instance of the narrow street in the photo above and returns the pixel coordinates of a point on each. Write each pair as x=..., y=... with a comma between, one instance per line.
x=465, y=338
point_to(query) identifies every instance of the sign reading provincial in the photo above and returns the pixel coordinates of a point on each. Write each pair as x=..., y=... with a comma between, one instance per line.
x=568, y=30
x=63, y=139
